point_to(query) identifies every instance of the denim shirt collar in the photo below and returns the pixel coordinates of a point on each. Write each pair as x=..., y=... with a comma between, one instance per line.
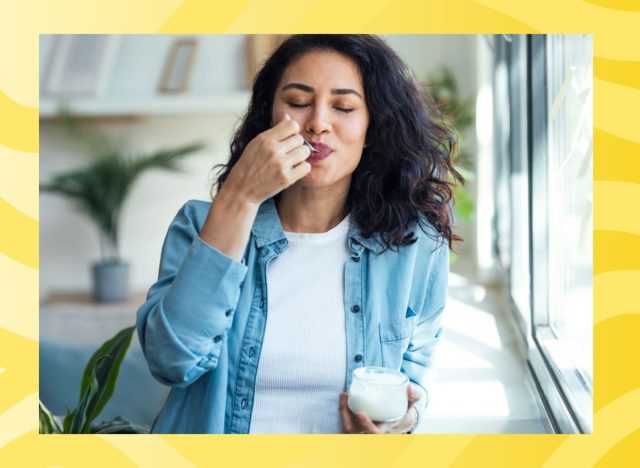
x=267, y=229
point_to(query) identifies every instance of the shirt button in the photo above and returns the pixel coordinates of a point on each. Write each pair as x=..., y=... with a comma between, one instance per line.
x=355, y=309
x=217, y=338
x=251, y=351
x=358, y=357
x=228, y=312
x=243, y=404
x=205, y=364
x=356, y=259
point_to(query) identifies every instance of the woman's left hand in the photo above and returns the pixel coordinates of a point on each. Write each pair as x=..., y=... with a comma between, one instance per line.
x=360, y=423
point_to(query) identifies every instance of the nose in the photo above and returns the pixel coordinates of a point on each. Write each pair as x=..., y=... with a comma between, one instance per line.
x=318, y=121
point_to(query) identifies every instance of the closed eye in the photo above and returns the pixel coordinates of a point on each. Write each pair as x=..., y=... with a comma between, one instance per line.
x=298, y=106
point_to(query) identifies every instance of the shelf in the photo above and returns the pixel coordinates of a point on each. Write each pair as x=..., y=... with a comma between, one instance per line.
x=84, y=298
x=158, y=105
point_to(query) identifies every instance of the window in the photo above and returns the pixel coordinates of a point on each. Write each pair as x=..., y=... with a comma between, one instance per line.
x=565, y=330
x=547, y=212
x=519, y=277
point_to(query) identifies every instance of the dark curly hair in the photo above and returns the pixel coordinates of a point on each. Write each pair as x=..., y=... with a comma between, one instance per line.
x=406, y=173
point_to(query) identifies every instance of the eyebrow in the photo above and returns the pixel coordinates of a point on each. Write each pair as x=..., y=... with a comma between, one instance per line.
x=309, y=89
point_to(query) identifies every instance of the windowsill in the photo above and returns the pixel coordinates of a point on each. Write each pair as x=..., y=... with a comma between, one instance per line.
x=572, y=383
x=483, y=383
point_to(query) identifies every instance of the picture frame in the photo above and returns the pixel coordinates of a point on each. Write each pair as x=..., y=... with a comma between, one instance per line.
x=80, y=65
x=178, y=66
x=258, y=48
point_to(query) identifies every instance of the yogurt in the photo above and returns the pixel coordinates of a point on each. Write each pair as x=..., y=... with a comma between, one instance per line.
x=379, y=392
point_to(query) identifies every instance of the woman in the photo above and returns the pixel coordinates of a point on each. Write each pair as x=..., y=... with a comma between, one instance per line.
x=332, y=218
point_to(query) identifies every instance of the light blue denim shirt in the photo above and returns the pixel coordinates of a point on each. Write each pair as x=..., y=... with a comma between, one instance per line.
x=202, y=325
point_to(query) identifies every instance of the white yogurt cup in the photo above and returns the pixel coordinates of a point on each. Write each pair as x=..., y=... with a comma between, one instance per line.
x=379, y=392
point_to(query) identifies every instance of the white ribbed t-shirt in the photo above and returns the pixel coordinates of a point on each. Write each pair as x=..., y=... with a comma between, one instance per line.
x=302, y=367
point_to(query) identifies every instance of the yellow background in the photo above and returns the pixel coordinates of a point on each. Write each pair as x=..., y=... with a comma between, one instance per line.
x=615, y=26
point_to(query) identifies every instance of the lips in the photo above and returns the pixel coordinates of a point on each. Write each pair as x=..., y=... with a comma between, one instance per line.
x=323, y=151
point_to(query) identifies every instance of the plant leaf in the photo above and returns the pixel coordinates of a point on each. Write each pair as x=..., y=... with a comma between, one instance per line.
x=66, y=422
x=80, y=421
x=48, y=424
x=109, y=356
x=165, y=159
x=119, y=425
x=464, y=205
x=100, y=188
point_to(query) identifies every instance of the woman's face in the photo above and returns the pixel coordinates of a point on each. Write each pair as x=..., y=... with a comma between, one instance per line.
x=323, y=92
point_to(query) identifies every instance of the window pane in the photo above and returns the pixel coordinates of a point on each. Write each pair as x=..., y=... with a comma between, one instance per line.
x=520, y=278
x=570, y=199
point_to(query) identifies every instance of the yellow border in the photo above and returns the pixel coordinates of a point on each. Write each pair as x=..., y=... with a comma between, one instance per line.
x=615, y=25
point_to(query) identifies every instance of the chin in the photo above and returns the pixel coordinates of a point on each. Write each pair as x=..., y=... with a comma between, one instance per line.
x=314, y=182
x=317, y=181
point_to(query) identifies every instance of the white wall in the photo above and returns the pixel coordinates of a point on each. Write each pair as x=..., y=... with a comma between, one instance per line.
x=69, y=243
x=426, y=55
x=218, y=64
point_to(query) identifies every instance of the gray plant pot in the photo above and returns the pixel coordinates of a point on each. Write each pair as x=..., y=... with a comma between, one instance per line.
x=111, y=281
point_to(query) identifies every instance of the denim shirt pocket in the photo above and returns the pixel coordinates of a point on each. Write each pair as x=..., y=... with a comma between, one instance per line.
x=394, y=340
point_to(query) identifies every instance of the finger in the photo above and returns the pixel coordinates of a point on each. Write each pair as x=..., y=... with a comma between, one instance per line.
x=299, y=171
x=367, y=424
x=343, y=400
x=388, y=428
x=284, y=129
x=296, y=156
x=348, y=425
x=291, y=143
x=413, y=394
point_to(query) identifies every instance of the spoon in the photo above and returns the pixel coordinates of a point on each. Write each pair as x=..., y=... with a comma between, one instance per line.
x=310, y=146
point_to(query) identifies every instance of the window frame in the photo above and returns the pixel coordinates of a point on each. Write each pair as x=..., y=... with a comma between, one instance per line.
x=565, y=393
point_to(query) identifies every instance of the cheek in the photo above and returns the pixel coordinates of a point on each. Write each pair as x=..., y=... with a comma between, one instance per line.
x=355, y=133
x=277, y=114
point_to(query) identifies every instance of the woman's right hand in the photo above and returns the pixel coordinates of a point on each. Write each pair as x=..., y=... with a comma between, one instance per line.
x=271, y=162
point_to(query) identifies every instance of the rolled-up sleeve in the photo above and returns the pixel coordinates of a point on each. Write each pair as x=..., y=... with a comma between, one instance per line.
x=418, y=359
x=188, y=311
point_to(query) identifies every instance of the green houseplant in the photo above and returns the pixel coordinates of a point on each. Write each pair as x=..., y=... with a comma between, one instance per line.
x=96, y=388
x=99, y=190
x=457, y=114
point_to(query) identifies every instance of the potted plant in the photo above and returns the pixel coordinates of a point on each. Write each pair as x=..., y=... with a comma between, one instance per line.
x=99, y=190
x=96, y=388
x=457, y=114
